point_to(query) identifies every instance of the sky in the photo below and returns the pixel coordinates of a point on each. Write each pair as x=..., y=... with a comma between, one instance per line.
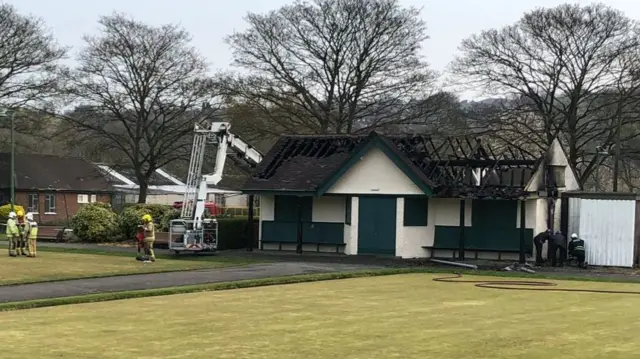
x=209, y=21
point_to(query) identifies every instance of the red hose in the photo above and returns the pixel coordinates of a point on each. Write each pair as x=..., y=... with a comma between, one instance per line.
x=523, y=285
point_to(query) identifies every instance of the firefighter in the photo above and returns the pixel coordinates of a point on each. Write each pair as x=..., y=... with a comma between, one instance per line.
x=149, y=237
x=31, y=233
x=576, y=249
x=558, y=244
x=13, y=233
x=538, y=241
x=22, y=238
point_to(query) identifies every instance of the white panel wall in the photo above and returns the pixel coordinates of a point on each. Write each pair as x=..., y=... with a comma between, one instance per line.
x=267, y=211
x=328, y=209
x=607, y=227
x=530, y=214
x=446, y=212
x=351, y=240
x=411, y=239
x=375, y=173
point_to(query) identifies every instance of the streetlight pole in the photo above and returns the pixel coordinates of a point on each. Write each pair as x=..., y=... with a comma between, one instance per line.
x=13, y=162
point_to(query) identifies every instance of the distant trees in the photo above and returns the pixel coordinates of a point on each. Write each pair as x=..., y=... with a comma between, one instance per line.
x=327, y=66
x=139, y=89
x=569, y=71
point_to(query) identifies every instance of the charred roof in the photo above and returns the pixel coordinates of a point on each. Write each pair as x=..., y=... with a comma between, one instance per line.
x=451, y=167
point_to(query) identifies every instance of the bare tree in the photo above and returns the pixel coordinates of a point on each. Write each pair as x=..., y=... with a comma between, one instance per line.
x=29, y=57
x=141, y=89
x=327, y=66
x=559, y=67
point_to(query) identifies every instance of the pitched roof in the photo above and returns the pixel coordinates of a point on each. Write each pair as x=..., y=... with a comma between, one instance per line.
x=47, y=172
x=449, y=168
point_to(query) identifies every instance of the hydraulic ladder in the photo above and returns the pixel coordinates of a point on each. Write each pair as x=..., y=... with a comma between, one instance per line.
x=194, y=176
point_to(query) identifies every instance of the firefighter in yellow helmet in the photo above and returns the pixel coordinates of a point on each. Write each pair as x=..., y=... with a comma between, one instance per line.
x=31, y=233
x=22, y=239
x=13, y=233
x=149, y=237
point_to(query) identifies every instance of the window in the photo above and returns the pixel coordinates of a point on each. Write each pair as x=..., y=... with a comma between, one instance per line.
x=83, y=198
x=416, y=211
x=32, y=205
x=50, y=203
x=220, y=200
x=347, y=210
x=93, y=198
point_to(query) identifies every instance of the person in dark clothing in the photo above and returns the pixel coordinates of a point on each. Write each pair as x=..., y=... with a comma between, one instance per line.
x=538, y=241
x=558, y=244
x=576, y=249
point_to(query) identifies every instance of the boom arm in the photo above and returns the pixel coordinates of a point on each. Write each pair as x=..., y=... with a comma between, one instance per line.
x=219, y=134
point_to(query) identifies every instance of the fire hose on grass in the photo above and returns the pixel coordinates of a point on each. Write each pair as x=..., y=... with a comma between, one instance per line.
x=524, y=285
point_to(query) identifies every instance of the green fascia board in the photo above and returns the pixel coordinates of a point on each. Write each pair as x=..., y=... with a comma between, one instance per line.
x=373, y=142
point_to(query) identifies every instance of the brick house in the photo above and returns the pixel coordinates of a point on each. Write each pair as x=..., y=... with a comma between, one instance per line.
x=53, y=187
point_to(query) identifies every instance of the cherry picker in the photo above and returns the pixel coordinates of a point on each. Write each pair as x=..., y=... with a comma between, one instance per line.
x=194, y=231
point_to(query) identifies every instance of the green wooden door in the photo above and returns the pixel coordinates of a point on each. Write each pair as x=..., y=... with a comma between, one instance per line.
x=377, y=225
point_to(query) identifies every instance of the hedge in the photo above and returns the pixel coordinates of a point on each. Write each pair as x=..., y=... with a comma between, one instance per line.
x=232, y=233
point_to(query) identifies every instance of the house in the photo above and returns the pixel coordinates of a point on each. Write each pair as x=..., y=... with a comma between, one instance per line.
x=164, y=188
x=409, y=196
x=53, y=187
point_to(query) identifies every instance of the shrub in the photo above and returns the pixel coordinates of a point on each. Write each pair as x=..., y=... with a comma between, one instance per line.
x=94, y=223
x=4, y=210
x=168, y=217
x=232, y=233
x=131, y=217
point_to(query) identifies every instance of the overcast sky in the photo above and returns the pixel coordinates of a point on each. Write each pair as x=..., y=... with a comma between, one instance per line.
x=209, y=21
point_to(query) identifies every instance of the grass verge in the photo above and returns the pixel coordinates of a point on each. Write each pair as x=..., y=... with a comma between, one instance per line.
x=61, y=265
x=103, y=297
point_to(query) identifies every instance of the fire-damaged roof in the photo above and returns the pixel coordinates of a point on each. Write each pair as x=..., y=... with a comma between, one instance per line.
x=449, y=167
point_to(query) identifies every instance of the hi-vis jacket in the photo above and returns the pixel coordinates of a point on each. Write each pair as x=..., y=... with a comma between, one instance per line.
x=31, y=230
x=149, y=232
x=12, y=228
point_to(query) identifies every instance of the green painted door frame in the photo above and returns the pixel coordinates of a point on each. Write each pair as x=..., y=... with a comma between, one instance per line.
x=377, y=225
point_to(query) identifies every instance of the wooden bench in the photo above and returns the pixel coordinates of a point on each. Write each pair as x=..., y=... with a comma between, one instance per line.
x=317, y=244
x=475, y=250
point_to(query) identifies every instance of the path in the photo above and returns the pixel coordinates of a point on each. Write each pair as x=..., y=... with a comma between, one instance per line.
x=162, y=280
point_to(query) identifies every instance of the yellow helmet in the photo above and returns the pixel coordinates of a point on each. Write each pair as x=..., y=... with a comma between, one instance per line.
x=146, y=218
x=20, y=213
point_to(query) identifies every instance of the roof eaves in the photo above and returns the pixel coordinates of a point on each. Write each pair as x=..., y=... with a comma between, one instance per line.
x=120, y=177
x=168, y=176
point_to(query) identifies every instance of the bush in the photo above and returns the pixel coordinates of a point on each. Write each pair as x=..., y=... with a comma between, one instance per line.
x=131, y=217
x=4, y=210
x=168, y=217
x=94, y=223
x=232, y=233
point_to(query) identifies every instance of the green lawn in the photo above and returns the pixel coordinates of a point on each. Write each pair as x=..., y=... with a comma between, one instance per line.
x=57, y=264
x=400, y=316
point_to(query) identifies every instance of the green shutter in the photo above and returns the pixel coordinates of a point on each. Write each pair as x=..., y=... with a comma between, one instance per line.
x=416, y=211
x=286, y=208
x=347, y=210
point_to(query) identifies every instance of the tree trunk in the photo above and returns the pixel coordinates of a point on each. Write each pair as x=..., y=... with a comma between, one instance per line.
x=142, y=192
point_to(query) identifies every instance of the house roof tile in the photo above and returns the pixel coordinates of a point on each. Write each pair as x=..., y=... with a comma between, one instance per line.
x=48, y=172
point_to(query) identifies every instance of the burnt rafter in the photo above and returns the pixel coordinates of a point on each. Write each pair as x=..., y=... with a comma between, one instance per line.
x=453, y=166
